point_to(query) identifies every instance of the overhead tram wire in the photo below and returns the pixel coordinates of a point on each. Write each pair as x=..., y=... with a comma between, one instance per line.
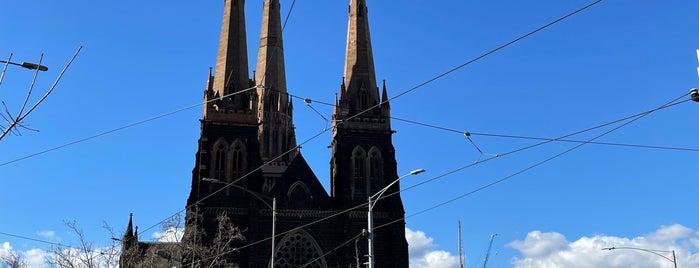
x=546, y=139
x=33, y=239
x=492, y=51
x=506, y=178
x=333, y=250
x=632, y=118
x=120, y=128
x=392, y=98
x=497, y=135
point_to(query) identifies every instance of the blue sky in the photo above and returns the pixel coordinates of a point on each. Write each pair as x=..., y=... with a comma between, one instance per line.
x=142, y=59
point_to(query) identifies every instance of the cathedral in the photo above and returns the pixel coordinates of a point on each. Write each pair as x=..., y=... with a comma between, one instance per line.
x=250, y=175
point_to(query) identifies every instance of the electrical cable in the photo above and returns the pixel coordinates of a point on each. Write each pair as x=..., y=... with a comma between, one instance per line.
x=119, y=128
x=332, y=250
x=483, y=187
x=31, y=239
x=546, y=139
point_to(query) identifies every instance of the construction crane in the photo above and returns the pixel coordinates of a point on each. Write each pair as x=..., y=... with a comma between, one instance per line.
x=490, y=246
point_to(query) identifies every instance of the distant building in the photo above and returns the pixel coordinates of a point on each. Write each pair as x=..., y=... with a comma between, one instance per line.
x=248, y=140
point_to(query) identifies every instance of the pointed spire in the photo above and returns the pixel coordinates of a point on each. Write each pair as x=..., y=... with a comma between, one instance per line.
x=129, y=227
x=270, y=59
x=359, y=60
x=232, y=61
x=384, y=96
x=128, y=239
x=274, y=110
x=135, y=235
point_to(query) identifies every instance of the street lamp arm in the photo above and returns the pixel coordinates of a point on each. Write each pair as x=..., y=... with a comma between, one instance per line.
x=652, y=251
x=28, y=65
x=378, y=194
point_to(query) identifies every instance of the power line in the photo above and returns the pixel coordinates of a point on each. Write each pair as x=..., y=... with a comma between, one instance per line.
x=545, y=139
x=506, y=178
x=31, y=239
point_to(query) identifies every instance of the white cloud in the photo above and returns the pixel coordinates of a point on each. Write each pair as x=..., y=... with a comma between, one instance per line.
x=36, y=258
x=171, y=234
x=5, y=250
x=541, y=244
x=551, y=249
x=47, y=234
x=423, y=254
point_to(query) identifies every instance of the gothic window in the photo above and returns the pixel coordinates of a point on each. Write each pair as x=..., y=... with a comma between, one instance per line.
x=375, y=163
x=363, y=100
x=238, y=160
x=297, y=249
x=285, y=143
x=275, y=143
x=358, y=186
x=299, y=196
x=264, y=144
x=219, y=160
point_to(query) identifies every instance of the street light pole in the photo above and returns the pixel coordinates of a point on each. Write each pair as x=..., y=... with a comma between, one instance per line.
x=652, y=251
x=273, y=207
x=370, y=215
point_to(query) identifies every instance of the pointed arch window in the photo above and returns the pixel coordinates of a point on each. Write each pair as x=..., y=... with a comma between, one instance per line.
x=358, y=185
x=219, y=160
x=299, y=196
x=375, y=163
x=275, y=143
x=363, y=100
x=264, y=144
x=238, y=157
x=297, y=249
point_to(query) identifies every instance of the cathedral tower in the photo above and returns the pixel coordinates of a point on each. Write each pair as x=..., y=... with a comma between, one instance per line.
x=228, y=147
x=363, y=157
x=276, y=130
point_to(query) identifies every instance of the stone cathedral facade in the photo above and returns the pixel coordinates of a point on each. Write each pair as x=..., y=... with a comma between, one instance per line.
x=248, y=167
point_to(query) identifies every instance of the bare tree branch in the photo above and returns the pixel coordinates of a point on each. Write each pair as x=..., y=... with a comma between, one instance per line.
x=22, y=114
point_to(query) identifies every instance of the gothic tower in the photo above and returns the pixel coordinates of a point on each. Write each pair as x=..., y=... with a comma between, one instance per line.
x=363, y=158
x=228, y=146
x=276, y=130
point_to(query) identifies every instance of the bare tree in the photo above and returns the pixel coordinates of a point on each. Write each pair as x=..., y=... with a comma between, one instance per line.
x=192, y=248
x=14, y=121
x=13, y=260
x=86, y=254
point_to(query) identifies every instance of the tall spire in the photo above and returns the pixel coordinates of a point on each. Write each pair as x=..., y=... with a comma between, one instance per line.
x=129, y=239
x=274, y=112
x=232, y=61
x=270, y=58
x=359, y=60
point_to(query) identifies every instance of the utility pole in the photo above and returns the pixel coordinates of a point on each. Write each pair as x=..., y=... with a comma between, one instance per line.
x=694, y=93
x=461, y=249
